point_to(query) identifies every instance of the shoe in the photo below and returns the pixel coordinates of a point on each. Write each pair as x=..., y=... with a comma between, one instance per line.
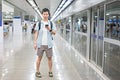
x=50, y=74
x=37, y=74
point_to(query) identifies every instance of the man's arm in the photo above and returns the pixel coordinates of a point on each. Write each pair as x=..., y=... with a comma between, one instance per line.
x=53, y=32
x=36, y=36
x=35, y=39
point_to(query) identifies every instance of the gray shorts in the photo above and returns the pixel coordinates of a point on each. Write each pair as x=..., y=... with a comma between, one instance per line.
x=44, y=48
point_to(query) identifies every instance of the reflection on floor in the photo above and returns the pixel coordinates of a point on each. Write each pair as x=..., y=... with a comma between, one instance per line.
x=17, y=61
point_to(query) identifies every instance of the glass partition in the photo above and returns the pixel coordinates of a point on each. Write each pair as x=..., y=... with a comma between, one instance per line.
x=79, y=40
x=112, y=32
x=80, y=22
x=112, y=29
x=68, y=29
x=112, y=61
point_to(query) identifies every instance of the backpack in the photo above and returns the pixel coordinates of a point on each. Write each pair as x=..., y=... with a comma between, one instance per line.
x=51, y=24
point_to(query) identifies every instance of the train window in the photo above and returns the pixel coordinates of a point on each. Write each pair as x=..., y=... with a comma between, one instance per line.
x=80, y=22
x=112, y=28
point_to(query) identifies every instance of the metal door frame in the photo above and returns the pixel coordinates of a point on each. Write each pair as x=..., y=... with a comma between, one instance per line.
x=105, y=7
x=98, y=14
x=92, y=26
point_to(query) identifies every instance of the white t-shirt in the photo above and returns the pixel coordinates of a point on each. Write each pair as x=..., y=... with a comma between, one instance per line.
x=44, y=36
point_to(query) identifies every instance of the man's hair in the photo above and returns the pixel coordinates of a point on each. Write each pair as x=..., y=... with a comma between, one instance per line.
x=46, y=10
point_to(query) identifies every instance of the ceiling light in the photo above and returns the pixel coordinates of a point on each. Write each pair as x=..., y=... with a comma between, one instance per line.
x=34, y=6
x=39, y=13
x=107, y=14
x=32, y=3
x=62, y=3
x=62, y=6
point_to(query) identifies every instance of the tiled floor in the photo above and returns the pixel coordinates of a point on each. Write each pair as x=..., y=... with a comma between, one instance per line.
x=17, y=61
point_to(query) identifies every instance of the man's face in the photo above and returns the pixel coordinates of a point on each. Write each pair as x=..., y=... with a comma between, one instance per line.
x=45, y=15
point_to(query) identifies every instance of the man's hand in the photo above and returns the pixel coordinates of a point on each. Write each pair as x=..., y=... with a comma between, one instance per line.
x=53, y=32
x=35, y=46
x=47, y=27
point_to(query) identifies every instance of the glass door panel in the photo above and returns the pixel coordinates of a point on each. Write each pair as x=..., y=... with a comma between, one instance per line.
x=100, y=37
x=97, y=36
x=94, y=35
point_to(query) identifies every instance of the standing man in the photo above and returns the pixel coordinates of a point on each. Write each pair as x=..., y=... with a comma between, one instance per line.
x=43, y=41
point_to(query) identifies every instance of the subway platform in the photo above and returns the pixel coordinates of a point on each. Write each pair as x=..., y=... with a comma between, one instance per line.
x=18, y=57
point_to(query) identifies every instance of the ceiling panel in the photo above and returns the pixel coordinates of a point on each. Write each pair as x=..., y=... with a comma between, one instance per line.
x=43, y=4
x=50, y=4
x=53, y=5
x=22, y=4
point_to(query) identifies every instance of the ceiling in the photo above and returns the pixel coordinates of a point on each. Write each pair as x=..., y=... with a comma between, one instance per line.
x=23, y=5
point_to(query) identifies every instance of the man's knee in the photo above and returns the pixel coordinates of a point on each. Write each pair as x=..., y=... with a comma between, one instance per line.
x=49, y=58
x=39, y=58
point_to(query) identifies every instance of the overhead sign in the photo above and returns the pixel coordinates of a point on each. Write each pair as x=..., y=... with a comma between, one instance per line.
x=17, y=17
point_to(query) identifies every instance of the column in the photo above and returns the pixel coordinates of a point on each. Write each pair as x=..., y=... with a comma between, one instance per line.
x=1, y=25
x=1, y=35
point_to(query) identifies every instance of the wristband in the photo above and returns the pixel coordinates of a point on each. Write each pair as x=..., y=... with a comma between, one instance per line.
x=50, y=30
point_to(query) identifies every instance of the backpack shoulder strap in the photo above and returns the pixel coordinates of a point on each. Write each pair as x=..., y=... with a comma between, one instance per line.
x=39, y=25
x=51, y=24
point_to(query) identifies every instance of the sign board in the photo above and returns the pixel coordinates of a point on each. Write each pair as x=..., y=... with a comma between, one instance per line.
x=17, y=25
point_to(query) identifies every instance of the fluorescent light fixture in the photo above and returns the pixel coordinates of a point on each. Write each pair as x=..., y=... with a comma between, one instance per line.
x=32, y=3
x=114, y=16
x=39, y=13
x=41, y=16
x=62, y=3
x=107, y=14
x=61, y=7
x=34, y=6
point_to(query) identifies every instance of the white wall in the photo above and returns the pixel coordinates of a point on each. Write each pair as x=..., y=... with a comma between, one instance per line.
x=17, y=27
x=7, y=8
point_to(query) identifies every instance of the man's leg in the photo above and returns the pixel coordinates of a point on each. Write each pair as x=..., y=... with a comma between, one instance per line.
x=39, y=58
x=38, y=61
x=50, y=63
x=49, y=54
x=50, y=66
x=37, y=74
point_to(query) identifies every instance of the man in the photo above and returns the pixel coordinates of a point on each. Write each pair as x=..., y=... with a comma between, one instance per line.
x=43, y=41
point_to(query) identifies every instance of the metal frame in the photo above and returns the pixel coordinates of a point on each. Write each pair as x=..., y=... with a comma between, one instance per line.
x=116, y=42
x=71, y=30
x=98, y=14
x=105, y=39
x=88, y=34
x=103, y=61
x=101, y=68
x=91, y=38
x=97, y=40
